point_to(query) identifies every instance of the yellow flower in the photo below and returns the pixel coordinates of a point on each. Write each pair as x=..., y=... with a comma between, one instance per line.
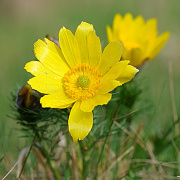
x=78, y=74
x=140, y=39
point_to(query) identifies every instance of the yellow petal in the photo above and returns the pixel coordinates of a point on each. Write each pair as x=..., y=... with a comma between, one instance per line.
x=138, y=29
x=127, y=74
x=45, y=81
x=58, y=100
x=99, y=99
x=111, y=55
x=36, y=68
x=134, y=55
x=149, y=38
x=50, y=55
x=139, y=21
x=127, y=22
x=151, y=26
x=110, y=34
x=94, y=47
x=80, y=123
x=116, y=23
x=69, y=46
x=45, y=85
x=108, y=86
x=160, y=42
x=65, y=106
x=81, y=34
x=115, y=71
x=89, y=44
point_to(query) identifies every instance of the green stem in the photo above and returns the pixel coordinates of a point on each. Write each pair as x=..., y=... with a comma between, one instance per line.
x=45, y=153
x=83, y=160
x=110, y=116
x=50, y=163
x=27, y=155
x=67, y=171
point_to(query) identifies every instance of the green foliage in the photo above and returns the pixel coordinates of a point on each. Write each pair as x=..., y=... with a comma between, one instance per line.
x=1, y=159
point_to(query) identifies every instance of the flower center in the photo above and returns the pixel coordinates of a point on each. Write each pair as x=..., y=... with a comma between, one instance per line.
x=82, y=82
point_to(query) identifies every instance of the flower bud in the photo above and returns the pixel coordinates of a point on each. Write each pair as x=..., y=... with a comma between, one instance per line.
x=28, y=98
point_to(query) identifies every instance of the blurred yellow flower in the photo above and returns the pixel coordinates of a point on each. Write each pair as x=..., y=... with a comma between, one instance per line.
x=78, y=74
x=140, y=39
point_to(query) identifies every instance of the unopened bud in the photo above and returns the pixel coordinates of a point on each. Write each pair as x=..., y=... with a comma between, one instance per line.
x=28, y=98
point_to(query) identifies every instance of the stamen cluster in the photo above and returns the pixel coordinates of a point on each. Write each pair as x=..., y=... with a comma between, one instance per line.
x=82, y=81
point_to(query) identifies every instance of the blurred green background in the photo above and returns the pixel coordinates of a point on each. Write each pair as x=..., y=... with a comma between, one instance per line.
x=23, y=22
